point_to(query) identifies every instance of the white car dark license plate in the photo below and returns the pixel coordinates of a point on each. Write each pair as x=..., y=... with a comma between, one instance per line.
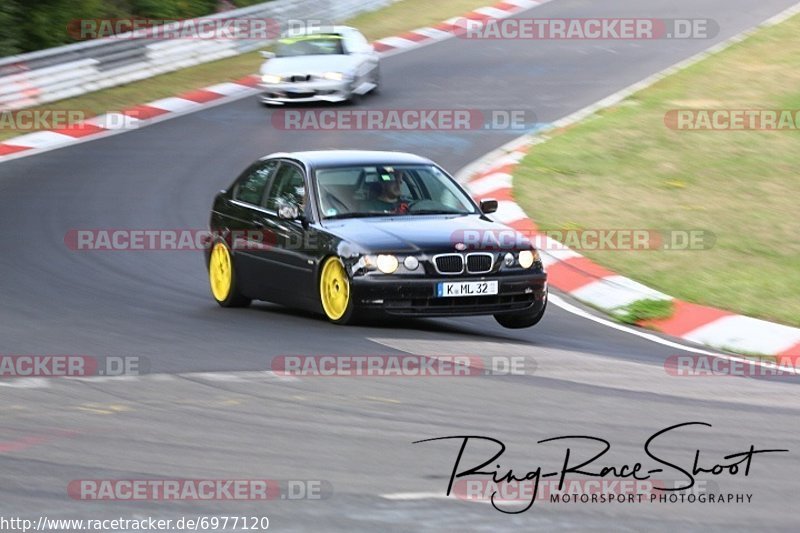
x=466, y=288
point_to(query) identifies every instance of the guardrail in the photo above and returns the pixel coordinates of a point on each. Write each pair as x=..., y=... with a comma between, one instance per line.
x=66, y=71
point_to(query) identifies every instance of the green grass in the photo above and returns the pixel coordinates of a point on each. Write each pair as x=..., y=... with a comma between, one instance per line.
x=644, y=310
x=396, y=18
x=625, y=169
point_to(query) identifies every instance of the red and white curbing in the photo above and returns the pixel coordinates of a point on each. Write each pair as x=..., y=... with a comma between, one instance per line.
x=569, y=271
x=127, y=119
x=593, y=284
x=166, y=108
x=450, y=27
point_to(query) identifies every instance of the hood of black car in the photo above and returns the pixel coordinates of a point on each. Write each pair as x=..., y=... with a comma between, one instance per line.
x=415, y=233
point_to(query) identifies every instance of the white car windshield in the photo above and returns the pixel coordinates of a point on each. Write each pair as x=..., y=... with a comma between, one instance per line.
x=310, y=45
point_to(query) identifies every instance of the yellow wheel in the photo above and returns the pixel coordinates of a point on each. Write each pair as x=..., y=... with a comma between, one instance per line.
x=334, y=291
x=222, y=279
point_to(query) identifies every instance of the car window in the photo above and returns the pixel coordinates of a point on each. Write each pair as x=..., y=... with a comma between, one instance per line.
x=288, y=186
x=377, y=190
x=250, y=188
x=307, y=45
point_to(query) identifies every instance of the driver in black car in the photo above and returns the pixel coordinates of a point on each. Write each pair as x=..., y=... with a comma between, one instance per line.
x=389, y=199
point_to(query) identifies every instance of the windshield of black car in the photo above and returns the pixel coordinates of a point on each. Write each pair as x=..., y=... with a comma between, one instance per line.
x=383, y=190
x=310, y=45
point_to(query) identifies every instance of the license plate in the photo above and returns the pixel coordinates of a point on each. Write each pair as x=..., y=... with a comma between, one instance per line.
x=466, y=288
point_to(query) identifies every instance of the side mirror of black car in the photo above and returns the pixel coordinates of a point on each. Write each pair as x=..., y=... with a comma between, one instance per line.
x=488, y=206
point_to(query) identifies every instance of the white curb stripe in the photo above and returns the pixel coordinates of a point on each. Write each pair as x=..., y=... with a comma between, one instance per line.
x=525, y=3
x=228, y=89
x=489, y=183
x=492, y=12
x=114, y=121
x=509, y=159
x=40, y=139
x=508, y=212
x=746, y=334
x=397, y=42
x=553, y=252
x=173, y=104
x=433, y=33
x=616, y=291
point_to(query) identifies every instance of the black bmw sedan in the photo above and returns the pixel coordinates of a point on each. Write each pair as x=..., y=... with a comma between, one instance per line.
x=349, y=232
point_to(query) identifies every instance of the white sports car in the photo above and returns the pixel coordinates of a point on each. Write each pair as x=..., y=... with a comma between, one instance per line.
x=333, y=64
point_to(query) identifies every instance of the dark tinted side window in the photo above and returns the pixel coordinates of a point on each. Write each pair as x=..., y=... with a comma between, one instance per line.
x=250, y=187
x=288, y=185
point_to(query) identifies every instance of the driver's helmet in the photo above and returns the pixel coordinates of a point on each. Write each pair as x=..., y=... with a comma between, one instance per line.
x=299, y=193
x=389, y=174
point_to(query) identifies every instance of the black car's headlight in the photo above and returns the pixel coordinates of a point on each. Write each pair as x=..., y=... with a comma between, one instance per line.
x=385, y=263
x=525, y=259
x=411, y=262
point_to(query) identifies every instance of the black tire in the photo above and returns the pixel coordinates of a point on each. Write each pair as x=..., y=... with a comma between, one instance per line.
x=377, y=81
x=353, y=99
x=234, y=298
x=520, y=320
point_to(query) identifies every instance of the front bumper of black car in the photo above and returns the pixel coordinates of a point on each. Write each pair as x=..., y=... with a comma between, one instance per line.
x=403, y=296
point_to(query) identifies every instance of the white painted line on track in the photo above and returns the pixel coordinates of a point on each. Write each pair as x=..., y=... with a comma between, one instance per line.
x=416, y=496
x=25, y=383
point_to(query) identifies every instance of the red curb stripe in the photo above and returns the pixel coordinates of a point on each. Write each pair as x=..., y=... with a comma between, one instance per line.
x=474, y=15
x=143, y=112
x=80, y=130
x=412, y=36
x=792, y=353
x=505, y=169
x=526, y=226
x=381, y=47
x=575, y=273
x=792, y=361
x=686, y=317
x=505, y=7
x=445, y=26
x=200, y=96
x=501, y=194
x=250, y=81
x=6, y=149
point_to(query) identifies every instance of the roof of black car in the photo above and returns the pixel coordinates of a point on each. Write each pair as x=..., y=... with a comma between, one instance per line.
x=323, y=158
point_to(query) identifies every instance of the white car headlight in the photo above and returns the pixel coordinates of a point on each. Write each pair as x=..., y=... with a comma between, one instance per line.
x=271, y=78
x=333, y=76
x=527, y=258
x=387, y=264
